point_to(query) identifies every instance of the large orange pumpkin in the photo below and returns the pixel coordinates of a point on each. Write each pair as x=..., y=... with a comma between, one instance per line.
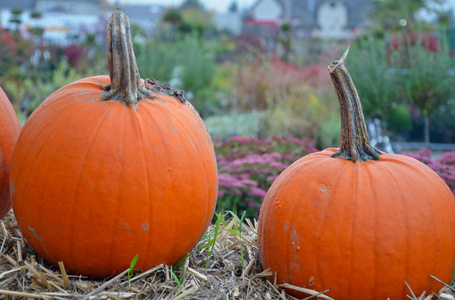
x=10, y=128
x=357, y=221
x=98, y=177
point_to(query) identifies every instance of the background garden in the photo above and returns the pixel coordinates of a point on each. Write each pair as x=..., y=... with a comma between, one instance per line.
x=266, y=108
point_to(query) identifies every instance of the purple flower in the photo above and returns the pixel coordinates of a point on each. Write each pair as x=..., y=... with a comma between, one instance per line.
x=447, y=158
x=247, y=167
x=443, y=166
x=423, y=155
x=272, y=178
x=278, y=165
x=255, y=191
x=253, y=204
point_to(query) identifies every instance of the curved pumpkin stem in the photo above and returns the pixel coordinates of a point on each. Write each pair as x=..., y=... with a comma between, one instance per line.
x=126, y=84
x=355, y=144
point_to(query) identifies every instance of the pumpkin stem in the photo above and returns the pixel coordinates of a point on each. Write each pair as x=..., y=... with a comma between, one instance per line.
x=126, y=84
x=355, y=144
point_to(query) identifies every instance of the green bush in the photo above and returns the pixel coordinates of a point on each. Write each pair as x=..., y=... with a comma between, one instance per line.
x=396, y=74
x=328, y=135
x=399, y=119
x=233, y=124
x=188, y=64
x=425, y=75
x=374, y=79
x=30, y=92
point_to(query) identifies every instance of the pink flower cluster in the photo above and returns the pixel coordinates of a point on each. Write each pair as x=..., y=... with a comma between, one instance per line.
x=248, y=166
x=444, y=165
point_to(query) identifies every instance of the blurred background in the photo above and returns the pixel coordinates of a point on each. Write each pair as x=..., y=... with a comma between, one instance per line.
x=256, y=70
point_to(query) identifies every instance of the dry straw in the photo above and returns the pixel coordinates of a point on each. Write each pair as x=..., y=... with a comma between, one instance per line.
x=233, y=271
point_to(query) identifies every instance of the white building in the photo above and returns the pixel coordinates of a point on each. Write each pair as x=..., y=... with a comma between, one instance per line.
x=62, y=21
x=324, y=19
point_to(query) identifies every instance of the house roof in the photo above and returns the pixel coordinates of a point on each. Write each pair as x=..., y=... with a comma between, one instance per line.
x=358, y=11
x=144, y=15
x=22, y=4
x=280, y=2
x=143, y=11
x=305, y=11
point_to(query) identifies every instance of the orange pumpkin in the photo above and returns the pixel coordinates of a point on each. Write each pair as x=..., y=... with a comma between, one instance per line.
x=101, y=177
x=358, y=221
x=9, y=132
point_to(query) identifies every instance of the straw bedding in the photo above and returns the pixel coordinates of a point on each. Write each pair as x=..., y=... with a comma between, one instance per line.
x=25, y=275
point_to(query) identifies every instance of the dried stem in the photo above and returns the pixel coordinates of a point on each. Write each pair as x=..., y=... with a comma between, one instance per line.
x=126, y=84
x=355, y=144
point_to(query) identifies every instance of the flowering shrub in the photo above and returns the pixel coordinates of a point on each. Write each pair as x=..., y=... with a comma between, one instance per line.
x=428, y=41
x=444, y=166
x=248, y=166
x=74, y=53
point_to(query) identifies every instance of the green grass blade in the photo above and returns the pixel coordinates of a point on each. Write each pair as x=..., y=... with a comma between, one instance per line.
x=217, y=227
x=208, y=244
x=180, y=262
x=183, y=275
x=237, y=233
x=132, y=265
x=240, y=234
x=453, y=276
x=176, y=278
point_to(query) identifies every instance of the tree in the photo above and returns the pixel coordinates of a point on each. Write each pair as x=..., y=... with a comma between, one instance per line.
x=426, y=79
x=16, y=18
x=393, y=15
x=189, y=17
x=285, y=40
x=173, y=16
x=419, y=64
x=200, y=20
x=372, y=76
x=192, y=4
x=233, y=7
x=37, y=31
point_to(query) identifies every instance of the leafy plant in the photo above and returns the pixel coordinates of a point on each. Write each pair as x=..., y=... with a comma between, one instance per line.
x=187, y=64
x=398, y=73
x=233, y=124
x=132, y=265
x=212, y=242
x=397, y=15
x=178, y=281
x=291, y=100
x=425, y=77
x=374, y=79
x=238, y=227
x=29, y=93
